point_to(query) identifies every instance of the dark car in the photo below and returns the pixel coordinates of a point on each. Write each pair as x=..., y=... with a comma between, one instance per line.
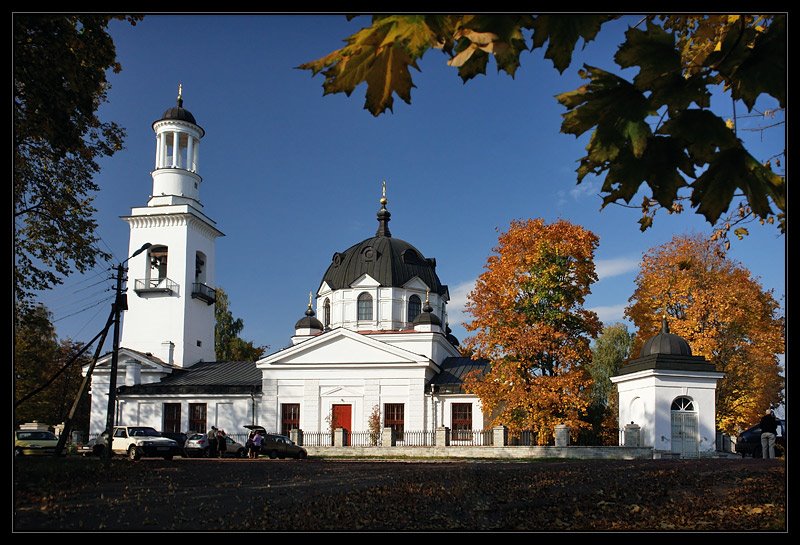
x=748, y=443
x=278, y=446
x=177, y=436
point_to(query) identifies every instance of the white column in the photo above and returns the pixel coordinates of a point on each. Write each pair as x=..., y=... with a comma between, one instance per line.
x=197, y=156
x=162, y=158
x=190, y=154
x=158, y=150
x=175, y=150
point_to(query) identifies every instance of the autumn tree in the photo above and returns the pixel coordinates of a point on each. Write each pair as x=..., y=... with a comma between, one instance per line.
x=611, y=349
x=529, y=322
x=41, y=360
x=227, y=343
x=60, y=65
x=723, y=313
x=656, y=129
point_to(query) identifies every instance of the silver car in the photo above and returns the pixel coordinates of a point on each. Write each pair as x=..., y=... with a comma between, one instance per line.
x=197, y=446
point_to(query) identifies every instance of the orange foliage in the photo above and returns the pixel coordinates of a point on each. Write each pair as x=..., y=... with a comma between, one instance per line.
x=529, y=321
x=723, y=313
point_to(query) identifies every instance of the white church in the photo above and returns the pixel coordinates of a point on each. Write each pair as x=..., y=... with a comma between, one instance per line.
x=381, y=338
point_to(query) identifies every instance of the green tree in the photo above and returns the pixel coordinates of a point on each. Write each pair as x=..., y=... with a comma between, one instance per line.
x=39, y=359
x=610, y=350
x=60, y=64
x=227, y=343
x=655, y=130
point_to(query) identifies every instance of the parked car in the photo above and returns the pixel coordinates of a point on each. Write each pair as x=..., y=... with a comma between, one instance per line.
x=197, y=446
x=93, y=447
x=143, y=441
x=278, y=446
x=748, y=443
x=32, y=443
x=177, y=436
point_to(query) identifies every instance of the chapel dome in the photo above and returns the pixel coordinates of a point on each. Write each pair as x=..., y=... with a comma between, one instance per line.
x=666, y=343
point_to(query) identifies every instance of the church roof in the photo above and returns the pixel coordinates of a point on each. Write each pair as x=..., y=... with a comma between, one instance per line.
x=213, y=377
x=453, y=372
x=390, y=261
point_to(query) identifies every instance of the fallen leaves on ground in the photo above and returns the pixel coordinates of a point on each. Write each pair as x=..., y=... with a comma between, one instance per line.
x=327, y=495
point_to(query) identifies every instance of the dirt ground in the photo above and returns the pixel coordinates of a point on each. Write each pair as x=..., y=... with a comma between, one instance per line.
x=316, y=495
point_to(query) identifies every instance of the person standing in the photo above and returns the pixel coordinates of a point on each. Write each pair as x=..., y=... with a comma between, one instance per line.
x=256, y=448
x=769, y=430
x=212, y=442
x=222, y=443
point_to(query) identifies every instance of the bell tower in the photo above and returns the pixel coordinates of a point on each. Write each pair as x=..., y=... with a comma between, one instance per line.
x=170, y=287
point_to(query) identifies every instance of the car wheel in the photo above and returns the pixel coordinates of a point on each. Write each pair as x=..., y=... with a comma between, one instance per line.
x=133, y=453
x=18, y=452
x=302, y=455
x=273, y=454
x=241, y=453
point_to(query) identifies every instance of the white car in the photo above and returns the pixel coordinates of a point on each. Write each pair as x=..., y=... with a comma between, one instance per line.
x=138, y=441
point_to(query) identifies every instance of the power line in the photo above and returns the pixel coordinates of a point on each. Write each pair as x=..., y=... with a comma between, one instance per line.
x=106, y=300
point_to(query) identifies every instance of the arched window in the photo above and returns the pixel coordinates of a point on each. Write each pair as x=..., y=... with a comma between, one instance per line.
x=326, y=312
x=414, y=307
x=365, y=306
x=158, y=262
x=682, y=403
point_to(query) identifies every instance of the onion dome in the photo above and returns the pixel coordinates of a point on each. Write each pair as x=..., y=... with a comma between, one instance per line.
x=666, y=343
x=309, y=321
x=390, y=261
x=427, y=317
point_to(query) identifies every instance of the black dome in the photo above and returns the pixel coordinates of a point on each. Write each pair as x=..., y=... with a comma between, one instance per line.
x=666, y=343
x=427, y=318
x=179, y=113
x=390, y=261
x=309, y=321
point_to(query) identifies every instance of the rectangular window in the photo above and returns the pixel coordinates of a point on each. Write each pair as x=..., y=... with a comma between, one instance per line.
x=290, y=417
x=172, y=417
x=197, y=417
x=393, y=418
x=461, y=424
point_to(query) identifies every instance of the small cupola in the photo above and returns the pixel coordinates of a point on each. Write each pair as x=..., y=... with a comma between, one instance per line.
x=427, y=320
x=308, y=325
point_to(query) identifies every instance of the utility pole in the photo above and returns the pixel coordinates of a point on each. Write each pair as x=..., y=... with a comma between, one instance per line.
x=120, y=304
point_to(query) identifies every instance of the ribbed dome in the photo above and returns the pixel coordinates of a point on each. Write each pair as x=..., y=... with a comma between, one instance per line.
x=666, y=343
x=390, y=261
x=181, y=114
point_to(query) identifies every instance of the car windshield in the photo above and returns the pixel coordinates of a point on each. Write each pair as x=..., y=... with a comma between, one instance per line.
x=143, y=432
x=195, y=437
x=35, y=435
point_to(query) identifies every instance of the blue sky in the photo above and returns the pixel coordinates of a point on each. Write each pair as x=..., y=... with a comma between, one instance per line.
x=291, y=176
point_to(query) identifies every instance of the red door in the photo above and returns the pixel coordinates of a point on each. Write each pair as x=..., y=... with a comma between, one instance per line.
x=342, y=418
